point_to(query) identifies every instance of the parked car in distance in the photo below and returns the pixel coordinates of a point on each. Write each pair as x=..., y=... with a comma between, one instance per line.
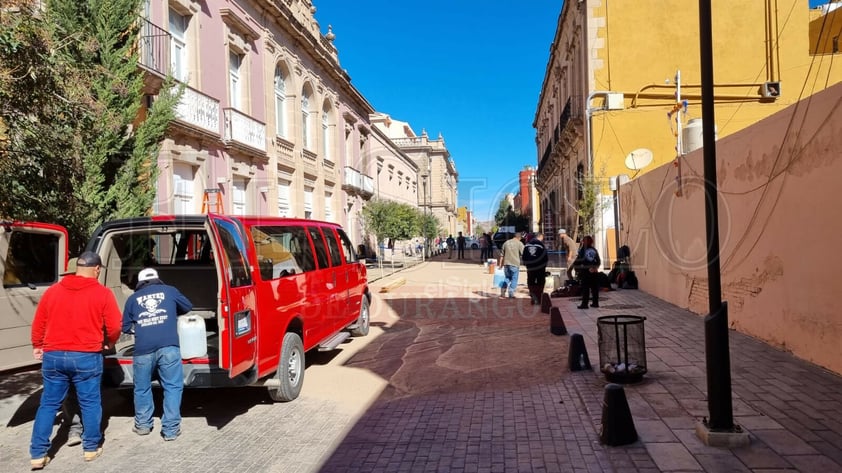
x=471, y=242
x=500, y=237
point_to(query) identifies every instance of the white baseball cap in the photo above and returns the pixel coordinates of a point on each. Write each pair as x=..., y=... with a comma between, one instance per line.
x=561, y=230
x=147, y=274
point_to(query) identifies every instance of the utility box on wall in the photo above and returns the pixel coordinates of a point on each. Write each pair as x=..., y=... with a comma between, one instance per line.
x=614, y=101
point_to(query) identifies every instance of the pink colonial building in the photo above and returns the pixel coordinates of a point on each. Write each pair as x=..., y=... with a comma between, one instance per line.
x=269, y=123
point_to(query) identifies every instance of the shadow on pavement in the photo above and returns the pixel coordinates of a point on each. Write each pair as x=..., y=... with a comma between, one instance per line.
x=454, y=366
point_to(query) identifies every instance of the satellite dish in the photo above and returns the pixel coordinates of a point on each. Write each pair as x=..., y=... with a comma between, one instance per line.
x=639, y=159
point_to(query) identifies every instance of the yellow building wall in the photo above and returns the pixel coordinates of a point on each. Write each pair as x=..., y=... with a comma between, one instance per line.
x=640, y=45
x=823, y=30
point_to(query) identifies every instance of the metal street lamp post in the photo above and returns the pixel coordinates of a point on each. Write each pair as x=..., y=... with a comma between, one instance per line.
x=424, y=227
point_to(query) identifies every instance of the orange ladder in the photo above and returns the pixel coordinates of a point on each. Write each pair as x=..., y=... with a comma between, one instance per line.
x=212, y=205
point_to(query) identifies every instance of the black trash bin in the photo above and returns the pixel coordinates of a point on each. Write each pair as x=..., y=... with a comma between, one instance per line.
x=622, y=347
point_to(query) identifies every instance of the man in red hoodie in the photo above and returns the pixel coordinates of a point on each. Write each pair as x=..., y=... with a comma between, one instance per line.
x=67, y=336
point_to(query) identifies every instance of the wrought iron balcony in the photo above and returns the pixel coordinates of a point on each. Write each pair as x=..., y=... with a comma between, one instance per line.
x=569, y=119
x=243, y=129
x=154, y=47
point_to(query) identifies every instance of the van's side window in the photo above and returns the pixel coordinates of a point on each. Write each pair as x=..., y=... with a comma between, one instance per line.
x=234, y=248
x=350, y=255
x=32, y=258
x=332, y=246
x=319, y=244
x=282, y=251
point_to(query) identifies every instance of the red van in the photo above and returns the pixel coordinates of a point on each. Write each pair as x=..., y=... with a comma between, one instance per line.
x=267, y=289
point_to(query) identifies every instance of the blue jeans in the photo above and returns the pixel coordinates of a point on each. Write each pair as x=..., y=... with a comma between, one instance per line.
x=511, y=273
x=167, y=360
x=59, y=369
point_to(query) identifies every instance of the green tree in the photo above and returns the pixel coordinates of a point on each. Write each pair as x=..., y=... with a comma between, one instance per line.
x=590, y=205
x=507, y=216
x=429, y=225
x=503, y=211
x=389, y=219
x=75, y=141
x=118, y=154
x=40, y=112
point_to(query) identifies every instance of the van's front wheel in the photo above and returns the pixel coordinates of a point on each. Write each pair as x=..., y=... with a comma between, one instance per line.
x=290, y=374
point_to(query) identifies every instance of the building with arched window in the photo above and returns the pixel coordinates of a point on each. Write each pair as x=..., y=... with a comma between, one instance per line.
x=270, y=136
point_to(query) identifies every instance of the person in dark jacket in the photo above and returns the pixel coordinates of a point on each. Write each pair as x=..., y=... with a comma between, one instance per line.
x=587, y=268
x=460, y=246
x=535, y=259
x=151, y=315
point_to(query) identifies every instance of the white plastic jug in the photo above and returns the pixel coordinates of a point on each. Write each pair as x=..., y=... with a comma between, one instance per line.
x=192, y=336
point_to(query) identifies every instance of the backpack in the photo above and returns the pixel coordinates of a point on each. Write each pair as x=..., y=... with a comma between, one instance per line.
x=630, y=281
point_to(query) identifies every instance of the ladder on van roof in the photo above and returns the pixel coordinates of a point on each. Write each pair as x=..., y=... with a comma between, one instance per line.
x=212, y=204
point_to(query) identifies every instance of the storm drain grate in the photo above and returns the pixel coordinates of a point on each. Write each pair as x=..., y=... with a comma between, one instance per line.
x=621, y=306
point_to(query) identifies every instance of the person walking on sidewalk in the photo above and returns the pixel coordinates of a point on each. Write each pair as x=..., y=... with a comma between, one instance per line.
x=587, y=265
x=483, y=249
x=151, y=315
x=510, y=258
x=67, y=337
x=535, y=259
x=570, y=248
x=451, y=243
x=460, y=246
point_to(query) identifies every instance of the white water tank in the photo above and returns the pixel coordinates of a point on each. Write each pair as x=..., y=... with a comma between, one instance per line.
x=691, y=135
x=192, y=336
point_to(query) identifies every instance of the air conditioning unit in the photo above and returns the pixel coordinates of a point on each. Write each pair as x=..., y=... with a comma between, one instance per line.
x=770, y=90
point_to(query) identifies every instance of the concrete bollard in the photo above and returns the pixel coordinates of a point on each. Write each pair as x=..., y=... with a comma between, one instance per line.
x=556, y=322
x=617, y=423
x=546, y=303
x=577, y=359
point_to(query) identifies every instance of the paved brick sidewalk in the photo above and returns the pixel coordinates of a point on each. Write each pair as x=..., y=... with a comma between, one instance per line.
x=791, y=409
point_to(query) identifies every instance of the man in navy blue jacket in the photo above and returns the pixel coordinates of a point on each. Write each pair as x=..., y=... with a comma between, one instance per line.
x=151, y=315
x=535, y=259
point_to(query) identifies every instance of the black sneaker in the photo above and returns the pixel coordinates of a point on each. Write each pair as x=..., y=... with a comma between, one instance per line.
x=170, y=438
x=583, y=306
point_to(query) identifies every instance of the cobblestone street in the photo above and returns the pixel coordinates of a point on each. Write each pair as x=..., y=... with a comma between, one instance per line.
x=454, y=379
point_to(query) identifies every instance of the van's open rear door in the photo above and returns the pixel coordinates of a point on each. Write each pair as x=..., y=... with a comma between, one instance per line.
x=32, y=257
x=237, y=331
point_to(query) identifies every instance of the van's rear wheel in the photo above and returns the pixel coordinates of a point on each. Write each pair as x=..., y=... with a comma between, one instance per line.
x=290, y=374
x=363, y=321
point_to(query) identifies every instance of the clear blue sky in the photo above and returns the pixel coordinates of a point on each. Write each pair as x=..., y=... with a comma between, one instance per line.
x=468, y=69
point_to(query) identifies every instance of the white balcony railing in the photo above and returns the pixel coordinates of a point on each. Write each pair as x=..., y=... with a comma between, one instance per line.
x=367, y=184
x=199, y=110
x=243, y=129
x=352, y=178
x=409, y=141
